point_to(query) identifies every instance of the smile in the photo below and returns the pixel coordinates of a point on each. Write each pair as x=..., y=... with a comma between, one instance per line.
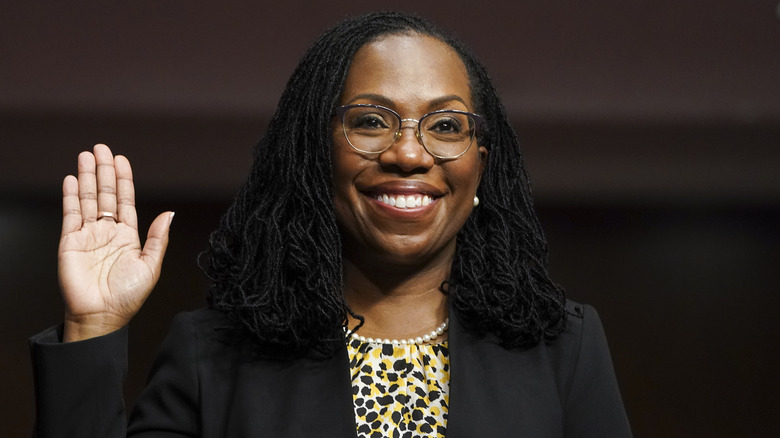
x=404, y=201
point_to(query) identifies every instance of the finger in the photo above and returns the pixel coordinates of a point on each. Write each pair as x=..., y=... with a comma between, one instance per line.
x=125, y=192
x=106, y=179
x=87, y=187
x=157, y=241
x=71, y=209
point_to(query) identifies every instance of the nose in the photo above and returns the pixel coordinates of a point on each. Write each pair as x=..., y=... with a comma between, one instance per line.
x=407, y=154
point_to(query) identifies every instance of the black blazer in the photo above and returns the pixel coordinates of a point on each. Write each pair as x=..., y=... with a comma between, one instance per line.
x=204, y=384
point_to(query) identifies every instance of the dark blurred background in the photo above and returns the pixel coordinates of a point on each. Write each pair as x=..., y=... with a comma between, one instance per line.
x=650, y=128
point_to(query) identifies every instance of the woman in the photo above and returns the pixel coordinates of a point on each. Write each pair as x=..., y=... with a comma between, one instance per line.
x=387, y=196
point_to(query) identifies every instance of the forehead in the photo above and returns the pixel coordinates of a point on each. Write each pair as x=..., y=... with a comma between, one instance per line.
x=407, y=69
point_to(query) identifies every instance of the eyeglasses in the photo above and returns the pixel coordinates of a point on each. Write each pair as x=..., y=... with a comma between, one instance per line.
x=372, y=129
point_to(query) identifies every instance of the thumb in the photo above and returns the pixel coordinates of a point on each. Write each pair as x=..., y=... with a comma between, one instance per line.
x=157, y=241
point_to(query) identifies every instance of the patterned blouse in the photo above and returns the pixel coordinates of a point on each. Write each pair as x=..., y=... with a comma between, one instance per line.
x=400, y=391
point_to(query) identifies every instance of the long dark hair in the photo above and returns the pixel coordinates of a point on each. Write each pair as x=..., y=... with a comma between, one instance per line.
x=275, y=260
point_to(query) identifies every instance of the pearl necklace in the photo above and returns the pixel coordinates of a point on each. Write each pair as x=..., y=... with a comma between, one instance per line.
x=428, y=337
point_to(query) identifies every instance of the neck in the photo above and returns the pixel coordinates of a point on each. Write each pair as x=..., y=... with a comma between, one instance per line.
x=396, y=302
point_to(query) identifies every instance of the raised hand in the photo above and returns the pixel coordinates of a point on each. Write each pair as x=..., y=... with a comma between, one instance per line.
x=105, y=275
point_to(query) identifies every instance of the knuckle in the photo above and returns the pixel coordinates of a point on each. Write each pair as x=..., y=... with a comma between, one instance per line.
x=107, y=190
x=126, y=201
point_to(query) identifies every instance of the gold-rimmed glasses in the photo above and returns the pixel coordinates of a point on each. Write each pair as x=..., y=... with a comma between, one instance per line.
x=372, y=129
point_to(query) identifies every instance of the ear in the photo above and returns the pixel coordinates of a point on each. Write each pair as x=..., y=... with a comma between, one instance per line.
x=483, y=155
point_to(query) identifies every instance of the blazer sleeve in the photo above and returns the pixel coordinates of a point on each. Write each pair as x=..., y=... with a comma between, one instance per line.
x=79, y=387
x=594, y=407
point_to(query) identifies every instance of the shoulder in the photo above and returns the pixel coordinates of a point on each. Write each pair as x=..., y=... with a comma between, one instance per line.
x=203, y=332
x=580, y=355
x=583, y=330
x=201, y=321
x=582, y=321
x=581, y=343
x=559, y=353
x=587, y=382
x=557, y=379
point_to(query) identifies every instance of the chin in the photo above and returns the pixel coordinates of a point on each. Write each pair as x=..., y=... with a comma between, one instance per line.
x=412, y=252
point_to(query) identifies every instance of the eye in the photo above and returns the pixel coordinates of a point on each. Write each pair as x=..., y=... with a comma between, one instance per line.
x=367, y=122
x=444, y=125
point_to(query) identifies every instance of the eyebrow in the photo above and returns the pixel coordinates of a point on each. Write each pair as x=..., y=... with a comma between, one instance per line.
x=385, y=101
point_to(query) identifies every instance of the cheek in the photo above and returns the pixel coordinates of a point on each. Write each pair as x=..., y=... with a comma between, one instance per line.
x=343, y=171
x=466, y=176
x=346, y=169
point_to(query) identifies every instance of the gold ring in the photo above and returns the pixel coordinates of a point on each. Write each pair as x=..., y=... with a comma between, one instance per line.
x=106, y=214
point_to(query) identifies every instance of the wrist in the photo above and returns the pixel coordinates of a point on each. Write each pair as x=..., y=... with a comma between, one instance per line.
x=82, y=328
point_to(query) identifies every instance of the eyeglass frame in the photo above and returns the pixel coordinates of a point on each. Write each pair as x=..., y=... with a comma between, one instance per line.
x=340, y=111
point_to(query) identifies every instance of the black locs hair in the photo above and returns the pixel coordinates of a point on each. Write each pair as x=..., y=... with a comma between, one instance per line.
x=275, y=259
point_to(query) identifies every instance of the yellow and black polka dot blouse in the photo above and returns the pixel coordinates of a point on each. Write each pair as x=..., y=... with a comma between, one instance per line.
x=400, y=390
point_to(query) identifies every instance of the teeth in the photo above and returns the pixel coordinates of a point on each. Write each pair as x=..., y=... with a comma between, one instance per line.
x=404, y=201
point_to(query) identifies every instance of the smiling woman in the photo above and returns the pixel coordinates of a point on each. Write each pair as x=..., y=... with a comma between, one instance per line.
x=414, y=75
x=381, y=273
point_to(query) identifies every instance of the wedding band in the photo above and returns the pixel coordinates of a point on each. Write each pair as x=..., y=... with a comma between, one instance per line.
x=105, y=214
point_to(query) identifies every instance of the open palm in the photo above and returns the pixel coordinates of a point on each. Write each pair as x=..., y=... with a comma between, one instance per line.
x=105, y=274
